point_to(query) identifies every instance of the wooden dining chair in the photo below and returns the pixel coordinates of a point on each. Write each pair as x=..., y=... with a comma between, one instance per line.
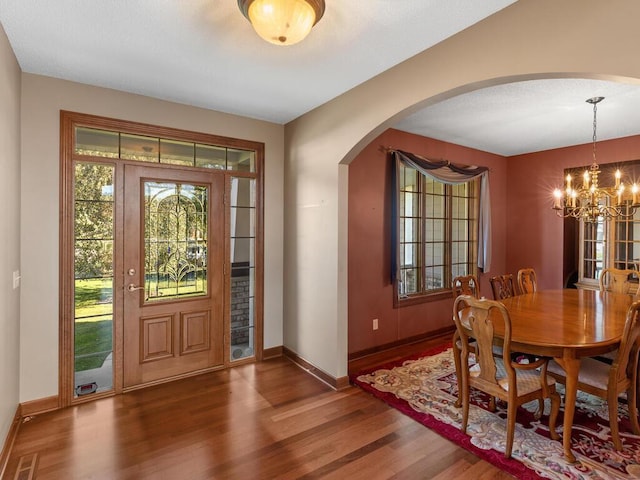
x=462, y=285
x=609, y=381
x=527, y=281
x=465, y=285
x=501, y=378
x=619, y=280
x=503, y=286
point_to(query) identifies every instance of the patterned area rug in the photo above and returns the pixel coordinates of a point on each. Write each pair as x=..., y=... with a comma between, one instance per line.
x=425, y=388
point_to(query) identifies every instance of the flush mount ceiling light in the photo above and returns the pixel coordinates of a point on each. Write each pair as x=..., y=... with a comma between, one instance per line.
x=282, y=22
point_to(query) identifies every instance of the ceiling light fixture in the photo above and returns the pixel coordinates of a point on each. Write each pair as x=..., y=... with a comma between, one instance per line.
x=282, y=22
x=590, y=201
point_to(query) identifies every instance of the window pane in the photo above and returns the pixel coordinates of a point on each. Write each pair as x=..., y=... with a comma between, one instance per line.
x=409, y=254
x=409, y=204
x=97, y=143
x=627, y=243
x=177, y=153
x=243, y=262
x=434, y=277
x=435, y=230
x=433, y=186
x=208, y=156
x=175, y=233
x=243, y=192
x=140, y=148
x=593, y=249
x=93, y=272
x=460, y=230
x=408, y=229
x=434, y=253
x=408, y=281
x=408, y=179
x=435, y=206
x=241, y=160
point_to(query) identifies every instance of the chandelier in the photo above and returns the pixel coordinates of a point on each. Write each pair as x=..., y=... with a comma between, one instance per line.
x=282, y=22
x=590, y=201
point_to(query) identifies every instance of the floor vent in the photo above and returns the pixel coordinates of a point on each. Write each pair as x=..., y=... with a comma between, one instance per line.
x=27, y=467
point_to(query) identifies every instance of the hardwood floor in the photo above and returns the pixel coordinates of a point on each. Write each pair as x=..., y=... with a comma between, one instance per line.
x=260, y=421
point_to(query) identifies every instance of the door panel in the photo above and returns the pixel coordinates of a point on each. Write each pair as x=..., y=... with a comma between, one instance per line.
x=173, y=258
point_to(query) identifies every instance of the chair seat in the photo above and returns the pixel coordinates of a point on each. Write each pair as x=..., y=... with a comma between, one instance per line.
x=528, y=380
x=592, y=372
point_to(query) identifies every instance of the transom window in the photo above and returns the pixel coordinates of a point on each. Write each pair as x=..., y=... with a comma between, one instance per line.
x=438, y=225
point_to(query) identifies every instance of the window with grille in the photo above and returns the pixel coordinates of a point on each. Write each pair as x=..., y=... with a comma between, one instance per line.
x=438, y=226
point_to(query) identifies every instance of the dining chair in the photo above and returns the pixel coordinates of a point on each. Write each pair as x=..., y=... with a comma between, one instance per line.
x=465, y=285
x=499, y=377
x=619, y=280
x=462, y=285
x=527, y=280
x=503, y=286
x=609, y=381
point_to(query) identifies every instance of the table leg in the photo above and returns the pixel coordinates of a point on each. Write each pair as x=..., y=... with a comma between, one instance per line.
x=571, y=368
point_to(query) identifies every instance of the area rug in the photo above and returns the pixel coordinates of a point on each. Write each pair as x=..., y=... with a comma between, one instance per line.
x=425, y=388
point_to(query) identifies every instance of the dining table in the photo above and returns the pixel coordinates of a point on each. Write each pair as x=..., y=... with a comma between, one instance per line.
x=568, y=325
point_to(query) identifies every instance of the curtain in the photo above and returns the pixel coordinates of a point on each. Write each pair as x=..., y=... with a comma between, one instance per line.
x=446, y=172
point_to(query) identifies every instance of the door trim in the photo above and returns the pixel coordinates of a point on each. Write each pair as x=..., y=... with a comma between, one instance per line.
x=68, y=123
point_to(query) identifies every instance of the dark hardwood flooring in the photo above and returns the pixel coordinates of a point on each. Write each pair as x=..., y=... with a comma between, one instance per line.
x=261, y=421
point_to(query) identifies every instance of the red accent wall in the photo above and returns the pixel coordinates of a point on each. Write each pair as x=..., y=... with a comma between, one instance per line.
x=370, y=288
x=535, y=233
x=526, y=232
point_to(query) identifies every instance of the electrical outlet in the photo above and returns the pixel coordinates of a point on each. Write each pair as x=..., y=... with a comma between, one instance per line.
x=375, y=323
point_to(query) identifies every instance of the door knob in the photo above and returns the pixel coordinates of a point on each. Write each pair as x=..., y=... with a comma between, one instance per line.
x=132, y=288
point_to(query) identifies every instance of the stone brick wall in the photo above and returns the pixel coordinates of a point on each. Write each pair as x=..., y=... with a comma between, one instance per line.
x=240, y=310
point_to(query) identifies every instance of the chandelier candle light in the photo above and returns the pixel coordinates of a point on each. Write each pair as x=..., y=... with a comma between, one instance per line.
x=590, y=201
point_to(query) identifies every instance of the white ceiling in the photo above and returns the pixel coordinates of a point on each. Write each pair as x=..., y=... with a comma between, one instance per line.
x=204, y=53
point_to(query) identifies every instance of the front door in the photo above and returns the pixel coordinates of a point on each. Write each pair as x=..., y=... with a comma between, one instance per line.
x=173, y=261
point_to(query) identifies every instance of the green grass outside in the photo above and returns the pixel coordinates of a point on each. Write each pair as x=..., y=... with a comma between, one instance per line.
x=94, y=322
x=95, y=338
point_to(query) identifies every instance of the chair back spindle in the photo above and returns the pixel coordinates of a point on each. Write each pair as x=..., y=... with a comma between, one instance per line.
x=465, y=285
x=527, y=280
x=503, y=286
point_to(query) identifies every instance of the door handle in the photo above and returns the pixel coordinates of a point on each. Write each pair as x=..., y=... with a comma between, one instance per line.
x=132, y=288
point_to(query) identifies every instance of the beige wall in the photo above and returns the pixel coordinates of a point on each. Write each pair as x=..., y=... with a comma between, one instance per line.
x=42, y=100
x=530, y=39
x=10, y=236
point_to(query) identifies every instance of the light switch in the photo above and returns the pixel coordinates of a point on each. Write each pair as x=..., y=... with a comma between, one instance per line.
x=16, y=279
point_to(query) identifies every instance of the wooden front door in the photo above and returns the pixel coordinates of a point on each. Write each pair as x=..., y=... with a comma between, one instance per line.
x=173, y=259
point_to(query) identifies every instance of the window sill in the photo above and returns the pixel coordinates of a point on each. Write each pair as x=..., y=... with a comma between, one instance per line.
x=418, y=299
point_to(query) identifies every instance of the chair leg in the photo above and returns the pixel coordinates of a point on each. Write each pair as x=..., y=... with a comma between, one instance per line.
x=464, y=396
x=458, y=363
x=633, y=409
x=612, y=401
x=553, y=416
x=540, y=409
x=511, y=427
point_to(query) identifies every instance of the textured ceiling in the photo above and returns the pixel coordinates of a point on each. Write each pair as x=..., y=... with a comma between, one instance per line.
x=204, y=53
x=531, y=116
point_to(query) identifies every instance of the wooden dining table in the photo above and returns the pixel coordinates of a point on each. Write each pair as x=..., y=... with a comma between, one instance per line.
x=567, y=325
